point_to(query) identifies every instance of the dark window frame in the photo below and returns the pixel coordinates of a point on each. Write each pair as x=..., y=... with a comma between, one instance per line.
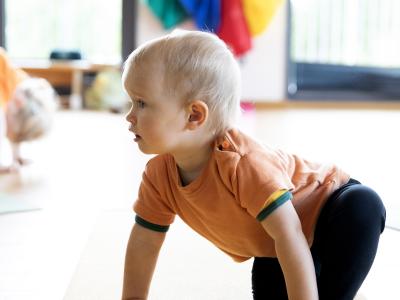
x=129, y=19
x=2, y=23
x=129, y=27
x=312, y=81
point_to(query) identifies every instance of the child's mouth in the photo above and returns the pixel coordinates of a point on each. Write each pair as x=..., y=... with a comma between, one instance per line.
x=137, y=137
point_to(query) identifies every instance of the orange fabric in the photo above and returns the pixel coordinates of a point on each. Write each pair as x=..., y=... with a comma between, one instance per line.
x=223, y=202
x=9, y=78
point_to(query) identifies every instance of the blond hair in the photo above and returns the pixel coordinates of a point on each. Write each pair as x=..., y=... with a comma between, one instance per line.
x=195, y=65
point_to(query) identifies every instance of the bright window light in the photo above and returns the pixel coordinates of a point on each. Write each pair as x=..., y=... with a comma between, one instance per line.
x=34, y=28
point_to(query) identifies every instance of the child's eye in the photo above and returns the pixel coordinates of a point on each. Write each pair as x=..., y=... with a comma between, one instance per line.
x=140, y=103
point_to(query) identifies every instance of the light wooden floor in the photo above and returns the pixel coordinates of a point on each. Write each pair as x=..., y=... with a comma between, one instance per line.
x=85, y=176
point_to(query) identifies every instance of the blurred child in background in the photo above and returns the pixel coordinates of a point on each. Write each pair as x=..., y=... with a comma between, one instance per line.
x=26, y=108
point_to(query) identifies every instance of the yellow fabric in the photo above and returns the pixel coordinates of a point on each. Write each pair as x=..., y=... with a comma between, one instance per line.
x=10, y=77
x=275, y=196
x=259, y=14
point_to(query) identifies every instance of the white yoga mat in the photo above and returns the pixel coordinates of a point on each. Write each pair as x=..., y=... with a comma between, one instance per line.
x=10, y=204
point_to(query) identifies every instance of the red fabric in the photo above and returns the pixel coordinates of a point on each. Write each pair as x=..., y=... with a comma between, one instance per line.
x=233, y=28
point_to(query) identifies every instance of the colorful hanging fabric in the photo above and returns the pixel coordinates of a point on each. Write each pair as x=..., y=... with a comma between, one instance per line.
x=233, y=29
x=206, y=13
x=169, y=12
x=259, y=14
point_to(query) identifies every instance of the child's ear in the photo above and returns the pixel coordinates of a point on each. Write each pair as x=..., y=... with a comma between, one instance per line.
x=198, y=114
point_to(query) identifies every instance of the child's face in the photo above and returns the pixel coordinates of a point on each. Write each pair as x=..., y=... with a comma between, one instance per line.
x=157, y=120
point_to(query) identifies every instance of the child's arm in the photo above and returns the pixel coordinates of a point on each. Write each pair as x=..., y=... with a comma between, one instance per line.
x=293, y=252
x=140, y=261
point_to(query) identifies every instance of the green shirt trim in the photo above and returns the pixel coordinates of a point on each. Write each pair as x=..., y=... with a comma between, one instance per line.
x=151, y=226
x=274, y=205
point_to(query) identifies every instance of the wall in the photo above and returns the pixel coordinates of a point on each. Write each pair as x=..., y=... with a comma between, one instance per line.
x=263, y=69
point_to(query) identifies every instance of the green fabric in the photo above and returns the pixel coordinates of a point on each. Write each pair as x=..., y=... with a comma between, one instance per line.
x=274, y=205
x=151, y=226
x=169, y=12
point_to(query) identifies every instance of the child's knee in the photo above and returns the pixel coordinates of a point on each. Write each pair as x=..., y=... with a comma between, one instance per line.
x=365, y=205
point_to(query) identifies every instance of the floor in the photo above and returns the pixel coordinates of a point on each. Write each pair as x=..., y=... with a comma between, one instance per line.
x=84, y=178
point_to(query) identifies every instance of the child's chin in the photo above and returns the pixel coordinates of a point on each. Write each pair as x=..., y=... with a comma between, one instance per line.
x=145, y=150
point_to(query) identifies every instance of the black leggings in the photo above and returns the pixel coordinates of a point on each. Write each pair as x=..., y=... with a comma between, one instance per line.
x=344, y=248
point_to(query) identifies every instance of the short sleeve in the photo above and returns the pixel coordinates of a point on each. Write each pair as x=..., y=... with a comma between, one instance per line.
x=150, y=205
x=259, y=175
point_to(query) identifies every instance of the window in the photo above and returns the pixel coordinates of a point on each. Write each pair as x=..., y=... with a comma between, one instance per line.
x=34, y=28
x=349, y=48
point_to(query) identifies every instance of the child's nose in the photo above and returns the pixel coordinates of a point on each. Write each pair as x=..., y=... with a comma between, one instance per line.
x=131, y=117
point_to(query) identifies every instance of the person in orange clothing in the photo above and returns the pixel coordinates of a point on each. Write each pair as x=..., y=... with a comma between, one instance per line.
x=10, y=77
x=311, y=230
x=26, y=108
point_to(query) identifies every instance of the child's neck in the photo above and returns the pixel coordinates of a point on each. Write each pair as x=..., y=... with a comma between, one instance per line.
x=191, y=163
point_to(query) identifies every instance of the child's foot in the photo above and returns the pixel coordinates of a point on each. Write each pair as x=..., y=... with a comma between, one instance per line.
x=8, y=170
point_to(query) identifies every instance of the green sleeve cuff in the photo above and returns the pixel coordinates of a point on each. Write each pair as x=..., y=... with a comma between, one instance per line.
x=274, y=205
x=151, y=226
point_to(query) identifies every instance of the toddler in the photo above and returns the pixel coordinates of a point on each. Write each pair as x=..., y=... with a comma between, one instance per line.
x=311, y=230
x=27, y=107
x=29, y=113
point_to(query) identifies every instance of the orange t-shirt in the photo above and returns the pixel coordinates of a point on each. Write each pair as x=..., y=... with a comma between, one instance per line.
x=223, y=202
x=9, y=78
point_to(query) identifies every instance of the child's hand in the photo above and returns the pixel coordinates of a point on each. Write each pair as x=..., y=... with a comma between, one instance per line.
x=22, y=161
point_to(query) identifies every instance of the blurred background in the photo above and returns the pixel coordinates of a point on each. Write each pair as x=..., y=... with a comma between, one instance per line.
x=321, y=78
